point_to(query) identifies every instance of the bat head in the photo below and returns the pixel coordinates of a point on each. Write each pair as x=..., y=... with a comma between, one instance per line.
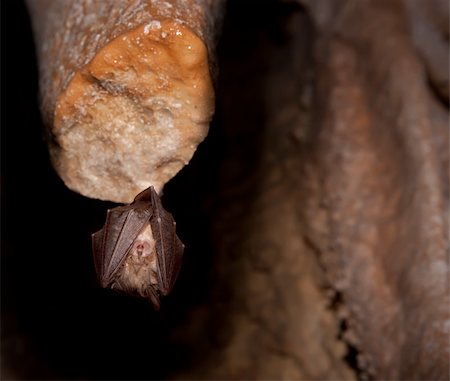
x=138, y=273
x=138, y=251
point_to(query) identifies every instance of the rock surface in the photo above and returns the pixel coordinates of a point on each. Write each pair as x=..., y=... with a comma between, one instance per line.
x=126, y=88
x=315, y=216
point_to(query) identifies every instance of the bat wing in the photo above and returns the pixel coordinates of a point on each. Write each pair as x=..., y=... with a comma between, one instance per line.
x=97, y=243
x=112, y=244
x=145, y=196
x=169, y=248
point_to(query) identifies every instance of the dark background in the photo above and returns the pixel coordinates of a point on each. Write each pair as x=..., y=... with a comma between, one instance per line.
x=56, y=322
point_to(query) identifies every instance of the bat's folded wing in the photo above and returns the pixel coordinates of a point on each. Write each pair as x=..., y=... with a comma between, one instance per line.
x=122, y=226
x=169, y=248
x=146, y=195
x=97, y=243
x=176, y=260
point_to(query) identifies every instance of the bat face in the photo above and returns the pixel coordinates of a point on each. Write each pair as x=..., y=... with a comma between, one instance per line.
x=137, y=251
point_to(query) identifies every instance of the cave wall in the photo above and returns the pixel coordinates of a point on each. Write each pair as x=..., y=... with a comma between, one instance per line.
x=315, y=213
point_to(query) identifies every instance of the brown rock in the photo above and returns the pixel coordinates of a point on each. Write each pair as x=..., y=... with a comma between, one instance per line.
x=380, y=166
x=126, y=89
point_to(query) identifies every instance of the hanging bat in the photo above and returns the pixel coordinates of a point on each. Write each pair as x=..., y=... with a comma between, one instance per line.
x=138, y=251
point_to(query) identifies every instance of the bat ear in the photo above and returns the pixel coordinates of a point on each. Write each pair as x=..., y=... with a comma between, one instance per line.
x=145, y=195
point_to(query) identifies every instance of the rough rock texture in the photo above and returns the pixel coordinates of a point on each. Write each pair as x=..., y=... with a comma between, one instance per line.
x=314, y=216
x=126, y=89
x=428, y=22
x=332, y=222
x=376, y=187
x=271, y=311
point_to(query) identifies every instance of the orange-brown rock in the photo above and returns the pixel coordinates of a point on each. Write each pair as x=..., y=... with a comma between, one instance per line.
x=126, y=89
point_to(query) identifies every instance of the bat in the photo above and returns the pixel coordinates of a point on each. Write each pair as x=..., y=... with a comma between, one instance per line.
x=138, y=251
